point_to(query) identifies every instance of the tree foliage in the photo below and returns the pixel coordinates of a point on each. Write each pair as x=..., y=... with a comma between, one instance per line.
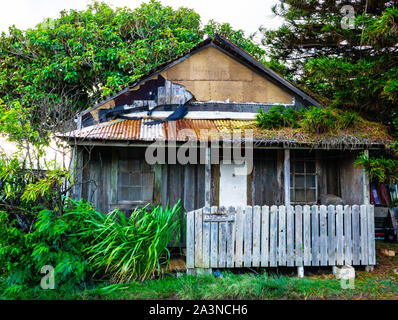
x=68, y=64
x=65, y=65
x=353, y=68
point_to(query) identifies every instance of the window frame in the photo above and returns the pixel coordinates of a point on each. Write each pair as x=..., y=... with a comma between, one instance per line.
x=145, y=169
x=305, y=158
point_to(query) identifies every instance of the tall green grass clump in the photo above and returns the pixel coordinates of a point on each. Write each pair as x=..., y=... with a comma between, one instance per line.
x=133, y=248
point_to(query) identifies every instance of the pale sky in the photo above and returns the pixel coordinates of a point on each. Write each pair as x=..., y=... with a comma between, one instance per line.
x=247, y=15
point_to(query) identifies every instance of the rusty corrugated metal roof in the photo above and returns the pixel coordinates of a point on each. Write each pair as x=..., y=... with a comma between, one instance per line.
x=213, y=130
x=180, y=130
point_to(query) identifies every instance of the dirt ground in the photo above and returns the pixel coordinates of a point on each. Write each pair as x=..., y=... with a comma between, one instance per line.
x=385, y=264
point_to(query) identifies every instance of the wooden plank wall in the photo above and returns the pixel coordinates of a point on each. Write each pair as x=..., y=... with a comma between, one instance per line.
x=171, y=182
x=187, y=182
x=351, y=179
x=266, y=188
x=280, y=236
x=96, y=179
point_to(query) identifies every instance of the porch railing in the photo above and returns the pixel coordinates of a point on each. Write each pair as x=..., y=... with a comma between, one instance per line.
x=280, y=236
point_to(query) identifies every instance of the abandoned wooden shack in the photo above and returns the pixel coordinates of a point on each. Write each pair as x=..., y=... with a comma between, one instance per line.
x=213, y=92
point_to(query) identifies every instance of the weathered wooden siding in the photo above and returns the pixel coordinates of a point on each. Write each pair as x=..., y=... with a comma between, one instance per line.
x=100, y=176
x=328, y=172
x=185, y=182
x=102, y=170
x=266, y=186
x=351, y=179
x=336, y=174
x=96, y=178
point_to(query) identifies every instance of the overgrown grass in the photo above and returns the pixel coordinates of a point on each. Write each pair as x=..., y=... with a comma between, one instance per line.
x=233, y=286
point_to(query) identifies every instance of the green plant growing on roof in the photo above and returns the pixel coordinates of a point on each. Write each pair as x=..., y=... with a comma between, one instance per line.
x=313, y=120
x=317, y=120
x=278, y=117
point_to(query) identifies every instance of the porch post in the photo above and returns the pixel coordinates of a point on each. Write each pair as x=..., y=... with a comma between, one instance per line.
x=366, y=200
x=208, y=177
x=286, y=177
x=77, y=173
x=365, y=184
x=114, y=176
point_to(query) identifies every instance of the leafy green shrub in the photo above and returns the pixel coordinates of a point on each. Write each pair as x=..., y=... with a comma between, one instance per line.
x=83, y=240
x=52, y=241
x=23, y=188
x=379, y=169
x=133, y=248
x=278, y=117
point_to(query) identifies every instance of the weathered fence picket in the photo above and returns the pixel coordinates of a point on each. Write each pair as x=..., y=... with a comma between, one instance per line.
x=280, y=236
x=339, y=235
x=206, y=240
x=214, y=240
x=239, y=227
x=256, y=236
x=315, y=235
x=248, y=237
x=299, y=236
x=273, y=242
x=307, y=235
x=198, y=238
x=364, y=235
x=355, y=237
x=323, y=233
x=347, y=235
x=264, y=236
x=331, y=236
x=289, y=236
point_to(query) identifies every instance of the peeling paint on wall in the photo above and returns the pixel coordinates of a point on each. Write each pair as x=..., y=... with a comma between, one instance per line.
x=146, y=97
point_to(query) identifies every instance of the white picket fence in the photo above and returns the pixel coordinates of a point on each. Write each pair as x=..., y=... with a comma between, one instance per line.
x=280, y=236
